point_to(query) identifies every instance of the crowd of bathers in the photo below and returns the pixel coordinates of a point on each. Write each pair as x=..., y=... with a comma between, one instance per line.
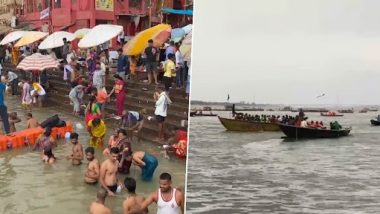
x=119, y=158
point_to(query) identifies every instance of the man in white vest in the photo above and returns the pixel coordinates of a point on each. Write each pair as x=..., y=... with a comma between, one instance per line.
x=169, y=200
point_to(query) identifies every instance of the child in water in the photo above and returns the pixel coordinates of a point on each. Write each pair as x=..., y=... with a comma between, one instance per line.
x=13, y=119
x=31, y=121
x=112, y=142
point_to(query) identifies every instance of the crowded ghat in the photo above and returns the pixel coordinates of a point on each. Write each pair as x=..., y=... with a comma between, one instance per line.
x=153, y=58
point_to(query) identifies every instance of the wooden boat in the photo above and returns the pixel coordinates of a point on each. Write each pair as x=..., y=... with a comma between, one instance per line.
x=363, y=111
x=247, y=126
x=346, y=111
x=331, y=114
x=201, y=114
x=310, y=110
x=375, y=122
x=299, y=132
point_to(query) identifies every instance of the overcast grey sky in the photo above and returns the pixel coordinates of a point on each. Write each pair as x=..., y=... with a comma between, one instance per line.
x=287, y=51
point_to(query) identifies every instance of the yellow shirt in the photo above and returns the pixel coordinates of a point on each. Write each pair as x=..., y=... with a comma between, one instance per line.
x=98, y=131
x=169, y=67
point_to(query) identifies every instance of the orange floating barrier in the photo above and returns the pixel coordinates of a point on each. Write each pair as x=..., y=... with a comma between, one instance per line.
x=3, y=142
x=29, y=136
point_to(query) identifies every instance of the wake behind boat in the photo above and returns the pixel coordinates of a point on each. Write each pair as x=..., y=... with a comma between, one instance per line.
x=304, y=132
x=247, y=125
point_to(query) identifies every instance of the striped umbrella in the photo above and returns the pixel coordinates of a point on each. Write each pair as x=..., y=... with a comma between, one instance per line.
x=37, y=62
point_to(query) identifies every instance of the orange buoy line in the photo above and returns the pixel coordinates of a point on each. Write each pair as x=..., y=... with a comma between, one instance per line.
x=29, y=136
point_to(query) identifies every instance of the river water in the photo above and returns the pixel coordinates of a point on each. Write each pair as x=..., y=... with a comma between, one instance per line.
x=261, y=173
x=29, y=186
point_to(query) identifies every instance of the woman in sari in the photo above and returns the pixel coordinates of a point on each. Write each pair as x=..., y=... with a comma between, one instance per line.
x=97, y=130
x=92, y=110
x=119, y=90
x=15, y=55
x=26, y=96
x=46, y=143
x=125, y=155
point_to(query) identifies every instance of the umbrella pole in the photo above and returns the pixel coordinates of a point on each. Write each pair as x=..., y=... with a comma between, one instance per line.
x=150, y=13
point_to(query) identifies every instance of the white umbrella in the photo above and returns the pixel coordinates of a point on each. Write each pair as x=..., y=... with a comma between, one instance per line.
x=99, y=35
x=188, y=39
x=80, y=33
x=38, y=62
x=12, y=36
x=56, y=40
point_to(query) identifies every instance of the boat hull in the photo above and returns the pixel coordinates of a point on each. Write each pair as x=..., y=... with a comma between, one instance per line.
x=196, y=114
x=331, y=115
x=375, y=123
x=204, y=115
x=298, y=132
x=247, y=126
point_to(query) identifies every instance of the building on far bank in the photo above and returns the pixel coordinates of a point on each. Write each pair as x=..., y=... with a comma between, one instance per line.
x=8, y=10
x=70, y=15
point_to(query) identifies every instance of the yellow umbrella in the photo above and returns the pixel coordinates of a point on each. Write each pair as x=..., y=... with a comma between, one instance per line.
x=137, y=45
x=30, y=37
x=79, y=34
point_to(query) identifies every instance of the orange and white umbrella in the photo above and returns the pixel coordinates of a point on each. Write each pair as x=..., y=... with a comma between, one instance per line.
x=37, y=62
x=30, y=37
x=12, y=36
x=158, y=33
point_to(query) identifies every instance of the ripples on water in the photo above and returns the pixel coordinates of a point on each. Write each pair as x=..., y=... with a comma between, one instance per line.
x=29, y=186
x=261, y=173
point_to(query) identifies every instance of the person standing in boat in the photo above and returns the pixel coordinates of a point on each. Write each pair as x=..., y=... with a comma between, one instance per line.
x=301, y=114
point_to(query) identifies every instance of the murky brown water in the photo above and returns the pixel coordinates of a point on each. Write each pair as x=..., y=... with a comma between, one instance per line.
x=29, y=186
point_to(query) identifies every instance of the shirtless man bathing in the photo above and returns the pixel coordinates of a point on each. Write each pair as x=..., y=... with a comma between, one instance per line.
x=98, y=207
x=108, y=171
x=133, y=200
x=93, y=168
x=77, y=156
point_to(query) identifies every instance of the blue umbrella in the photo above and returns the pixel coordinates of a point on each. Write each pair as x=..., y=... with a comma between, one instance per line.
x=177, y=33
x=187, y=28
